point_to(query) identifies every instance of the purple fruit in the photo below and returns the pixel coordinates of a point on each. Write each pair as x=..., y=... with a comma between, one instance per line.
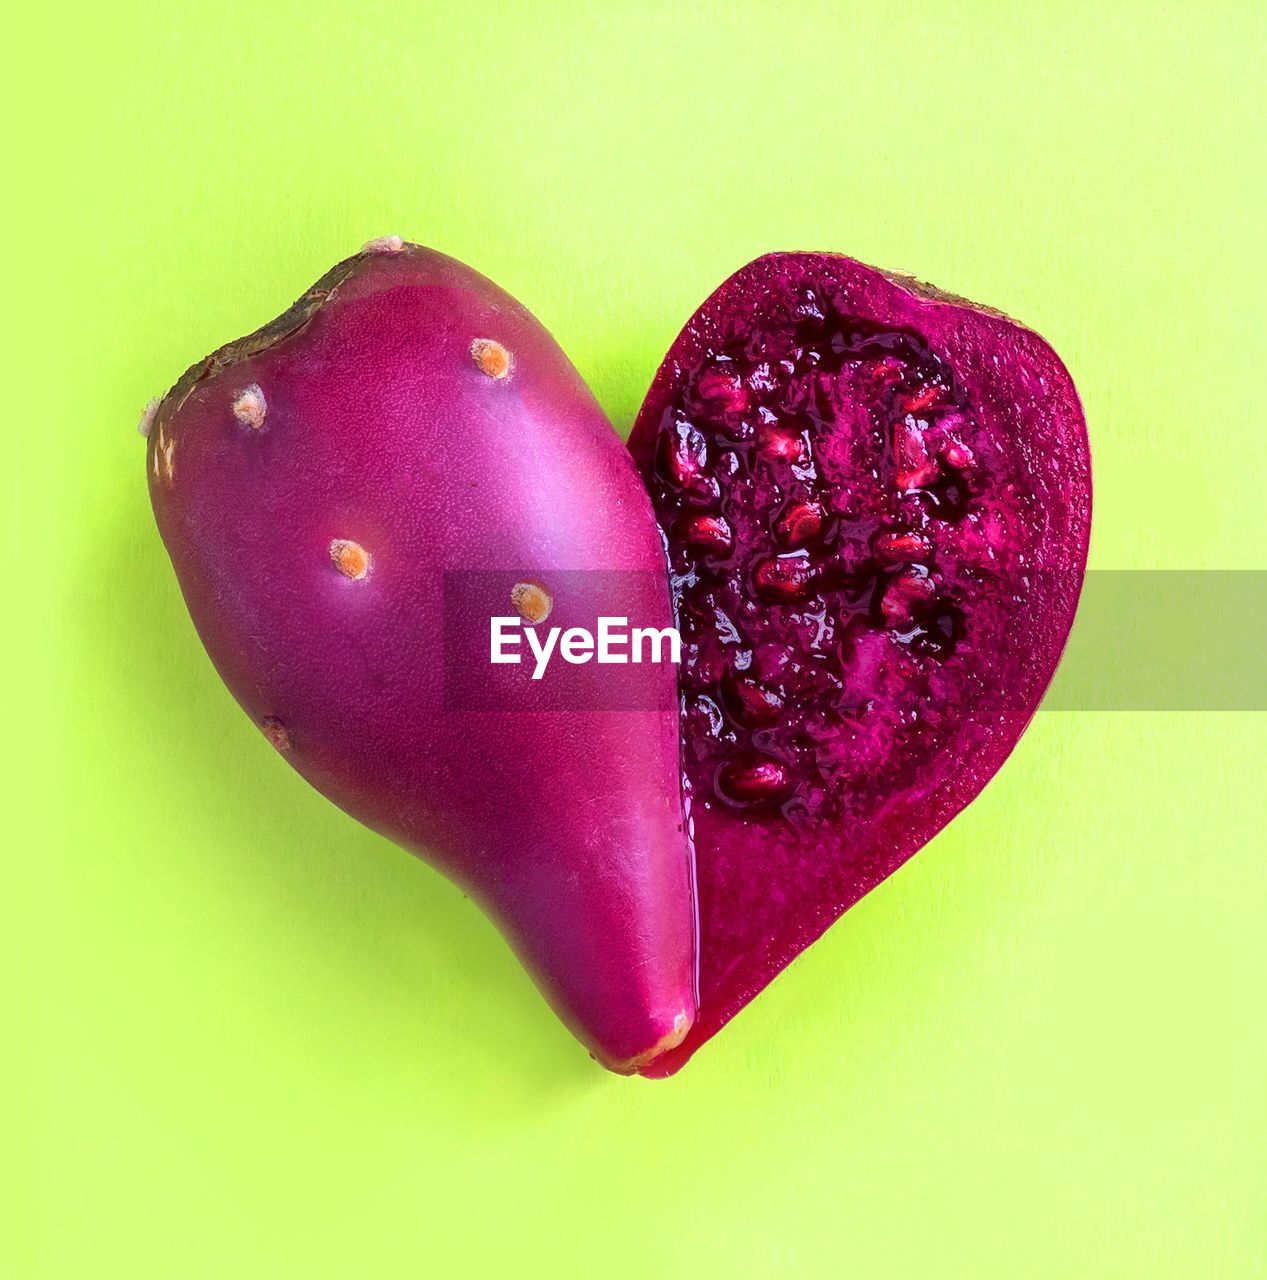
x=905, y=483
x=405, y=430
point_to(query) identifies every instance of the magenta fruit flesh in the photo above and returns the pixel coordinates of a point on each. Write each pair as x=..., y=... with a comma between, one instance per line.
x=313, y=482
x=904, y=481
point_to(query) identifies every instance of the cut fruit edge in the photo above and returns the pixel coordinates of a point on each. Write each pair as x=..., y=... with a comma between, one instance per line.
x=1032, y=386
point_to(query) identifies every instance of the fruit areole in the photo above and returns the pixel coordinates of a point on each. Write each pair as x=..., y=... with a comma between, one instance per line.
x=877, y=503
x=403, y=453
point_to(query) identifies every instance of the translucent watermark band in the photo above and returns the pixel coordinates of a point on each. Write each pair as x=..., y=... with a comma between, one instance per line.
x=1144, y=640
x=1166, y=640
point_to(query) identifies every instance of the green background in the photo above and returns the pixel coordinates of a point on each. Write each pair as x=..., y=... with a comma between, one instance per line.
x=245, y=1037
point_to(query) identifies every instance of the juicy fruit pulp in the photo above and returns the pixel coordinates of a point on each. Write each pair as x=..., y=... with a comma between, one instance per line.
x=876, y=501
x=865, y=501
x=317, y=484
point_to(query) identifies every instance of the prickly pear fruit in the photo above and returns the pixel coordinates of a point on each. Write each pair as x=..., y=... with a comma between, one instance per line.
x=401, y=455
x=904, y=483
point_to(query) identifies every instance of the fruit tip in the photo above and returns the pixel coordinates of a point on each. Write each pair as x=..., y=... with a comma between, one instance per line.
x=148, y=414
x=669, y=1041
x=383, y=244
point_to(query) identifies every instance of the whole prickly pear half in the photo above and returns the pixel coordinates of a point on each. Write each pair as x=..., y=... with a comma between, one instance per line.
x=348, y=496
x=877, y=500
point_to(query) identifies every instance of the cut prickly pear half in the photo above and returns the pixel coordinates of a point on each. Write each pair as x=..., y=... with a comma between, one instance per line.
x=877, y=501
x=360, y=486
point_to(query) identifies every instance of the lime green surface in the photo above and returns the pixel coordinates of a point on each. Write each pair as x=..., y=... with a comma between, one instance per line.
x=244, y=1037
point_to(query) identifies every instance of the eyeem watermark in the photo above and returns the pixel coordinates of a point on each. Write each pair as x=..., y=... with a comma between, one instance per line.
x=1144, y=640
x=614, y=644
x=526, y=640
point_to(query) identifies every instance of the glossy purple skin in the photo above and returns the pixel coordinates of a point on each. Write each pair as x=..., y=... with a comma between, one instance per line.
x=380, y=428
x=768, y=885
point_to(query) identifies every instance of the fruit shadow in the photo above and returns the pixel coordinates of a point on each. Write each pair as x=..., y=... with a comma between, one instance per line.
x=383, y=934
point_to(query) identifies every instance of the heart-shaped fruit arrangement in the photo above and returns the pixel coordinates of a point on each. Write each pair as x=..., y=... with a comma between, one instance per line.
x=875, y=500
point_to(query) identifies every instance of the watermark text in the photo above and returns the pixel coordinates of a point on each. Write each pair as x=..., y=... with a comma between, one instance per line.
x=615, y=643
